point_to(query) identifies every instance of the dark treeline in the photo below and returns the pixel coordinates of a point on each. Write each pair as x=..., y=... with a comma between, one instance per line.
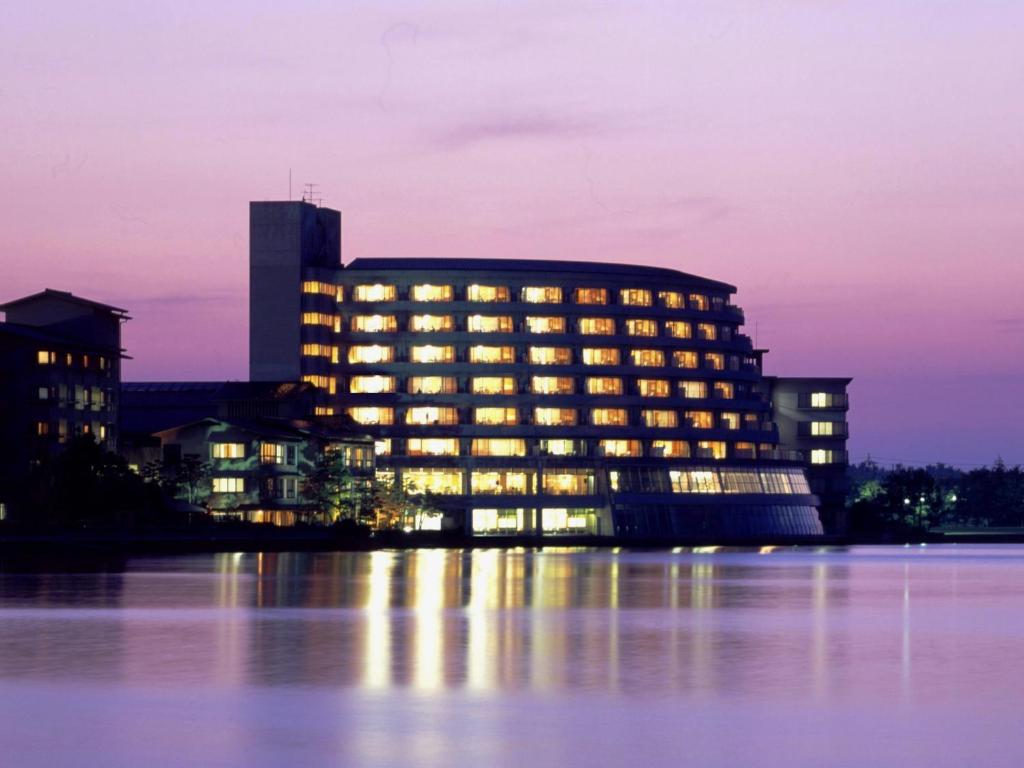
x=909, y=501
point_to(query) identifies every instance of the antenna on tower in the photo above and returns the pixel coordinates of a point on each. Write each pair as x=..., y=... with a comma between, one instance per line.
x=311, y=194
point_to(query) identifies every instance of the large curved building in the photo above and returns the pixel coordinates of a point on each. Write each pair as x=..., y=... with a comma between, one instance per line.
x=532, y=397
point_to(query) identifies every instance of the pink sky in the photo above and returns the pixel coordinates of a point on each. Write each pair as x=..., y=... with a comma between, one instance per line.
x=856, y=168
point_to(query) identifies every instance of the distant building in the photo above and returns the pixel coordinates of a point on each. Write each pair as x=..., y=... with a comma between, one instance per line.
x=258, y=466
x=60, y=372
x=527, y=396
x=811, y=414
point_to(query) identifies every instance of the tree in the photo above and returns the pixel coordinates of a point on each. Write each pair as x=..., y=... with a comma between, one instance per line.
x=192, y=474
x=333, y=490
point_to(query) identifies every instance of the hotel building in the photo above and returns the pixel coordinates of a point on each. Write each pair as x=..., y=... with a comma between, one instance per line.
x=531, y=397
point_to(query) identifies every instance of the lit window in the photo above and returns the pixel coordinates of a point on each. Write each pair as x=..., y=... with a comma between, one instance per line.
x=372, y=415
x=491, y=416
x=431, y=323
x=278, y=453
x=558, y=447
x=700, y=419
x=323, y=410
x=554, y=417
x=229, y=485
x=43, y=393
x=707, y=331
x=724, y=390
x=493, y=385
x=597, y=326
x=498, y=446
x=422, y=415
x=620, y=448
x=42, y=428
x=382, y=446
x=568, y=482
x=319, y=318
x=647, y=358
x=743, y=450
x=545, y=324
x=714, y=360
x=552, y=385
x=371, y=353
x=660, y=418
x=609, y=417
x=435, y=480
x=693, y=390
x=429, y=292
x=484, y=354
x=429, y=353
x=699, y=301
x=324, y=289
x=373, y=293
x=670, y=299
x=653, y=387
x=44, y=357
x=682, y=358
x=227, y=450
x=501, y=481
x=330, y=383
x=600, y=356
x=550, y=355
x=489, y=324
x=679, y=329
x=547, y=294
x=499, y=520
x=432, y=446
x=431, y=385
x=373, y=323
x=828, y=400
x=487, y=293
x=826, y=428
x=695, y=481
x=825, y=456
x=710, y=449
x=635, y=297
x=590, y=296
x=317, y=350
x=670, y=449
x=371, y=385
x=639, y=326
x=730, y=420
x=604, y=385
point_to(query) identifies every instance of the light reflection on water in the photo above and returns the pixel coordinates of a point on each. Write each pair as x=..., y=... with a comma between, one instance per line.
x=462, y=657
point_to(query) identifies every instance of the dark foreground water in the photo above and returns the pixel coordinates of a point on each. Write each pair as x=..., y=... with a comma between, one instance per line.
x=861, y=657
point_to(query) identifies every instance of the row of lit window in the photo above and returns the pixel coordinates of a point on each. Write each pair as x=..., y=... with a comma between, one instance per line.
x=49, y=357
x=59, y=428
x=428, y=415
x=76, y=396
x=587, y=326
x=497, y=354
x=673, y=449
x=542, y=294
x=329, y=351
x=374, y=384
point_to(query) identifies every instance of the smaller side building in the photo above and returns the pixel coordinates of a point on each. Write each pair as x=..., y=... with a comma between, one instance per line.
x=811, y=415
x=258, y=467
x=60, y=372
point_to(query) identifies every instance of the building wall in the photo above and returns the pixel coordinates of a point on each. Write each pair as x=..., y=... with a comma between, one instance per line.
x=811, y=414
x=284, y=239
x=562, y=472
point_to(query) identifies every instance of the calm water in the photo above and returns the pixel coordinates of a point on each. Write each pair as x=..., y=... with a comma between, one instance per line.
x=867, y=656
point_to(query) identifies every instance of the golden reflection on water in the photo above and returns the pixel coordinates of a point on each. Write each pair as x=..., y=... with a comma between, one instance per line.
x=485, y=620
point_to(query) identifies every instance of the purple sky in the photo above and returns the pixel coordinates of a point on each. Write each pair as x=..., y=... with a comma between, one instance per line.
x=856, y=168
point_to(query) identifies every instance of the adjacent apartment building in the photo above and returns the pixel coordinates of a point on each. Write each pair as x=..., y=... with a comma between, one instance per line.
x=532, y=397
x=60, y=371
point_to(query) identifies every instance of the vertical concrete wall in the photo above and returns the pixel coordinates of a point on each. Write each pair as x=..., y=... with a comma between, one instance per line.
x=283, y=238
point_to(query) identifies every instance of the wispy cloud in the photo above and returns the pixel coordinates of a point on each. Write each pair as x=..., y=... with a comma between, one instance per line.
x=517, y=128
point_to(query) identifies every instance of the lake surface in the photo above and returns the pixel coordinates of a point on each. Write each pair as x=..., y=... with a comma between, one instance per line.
x=799, y=657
